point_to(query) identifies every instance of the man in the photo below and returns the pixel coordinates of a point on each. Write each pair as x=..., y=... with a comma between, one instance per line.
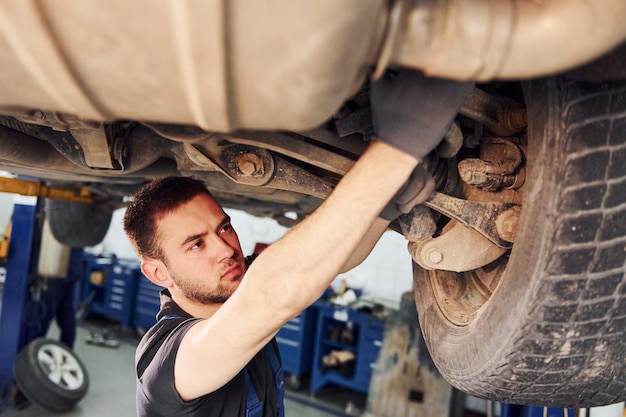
x=58, y=301
x=212, y=351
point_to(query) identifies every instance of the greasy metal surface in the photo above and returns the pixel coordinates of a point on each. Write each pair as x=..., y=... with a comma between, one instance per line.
x=418, y=224
x=293, y=178
x=497, y=167
x=246, y=164
x=502, y=115
x=479, y=216
x=288, y=145
x=92, y=139
x=452, y=142
x=249, y=165
x=458, y=248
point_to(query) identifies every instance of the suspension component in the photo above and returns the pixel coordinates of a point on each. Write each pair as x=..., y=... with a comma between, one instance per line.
x=499, y=166
x=501, y=115
x=251, y=165
x=481, y=217
x=458, y=248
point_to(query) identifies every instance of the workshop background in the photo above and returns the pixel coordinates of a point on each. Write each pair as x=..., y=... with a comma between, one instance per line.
x=337, y=358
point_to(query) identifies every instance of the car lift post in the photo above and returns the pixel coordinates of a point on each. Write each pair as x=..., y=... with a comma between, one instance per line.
x=23, y=247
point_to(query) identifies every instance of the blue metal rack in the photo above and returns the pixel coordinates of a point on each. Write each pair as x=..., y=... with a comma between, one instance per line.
x=368, y=331
x=295, y=342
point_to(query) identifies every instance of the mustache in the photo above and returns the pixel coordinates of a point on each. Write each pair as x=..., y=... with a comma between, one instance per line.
x=228, y=264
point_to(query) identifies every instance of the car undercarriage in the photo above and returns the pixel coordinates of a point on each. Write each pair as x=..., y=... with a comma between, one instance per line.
x=518, y=255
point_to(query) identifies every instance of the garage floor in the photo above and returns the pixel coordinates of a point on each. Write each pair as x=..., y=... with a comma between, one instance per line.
x=112, y=387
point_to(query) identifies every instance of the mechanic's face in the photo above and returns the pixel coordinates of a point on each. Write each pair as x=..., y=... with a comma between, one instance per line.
x=202, y=252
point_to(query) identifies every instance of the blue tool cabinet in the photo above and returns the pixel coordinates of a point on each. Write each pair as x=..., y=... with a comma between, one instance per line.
x=365, y=342
x=147, y=303
x=295, y=342
x=110, y=287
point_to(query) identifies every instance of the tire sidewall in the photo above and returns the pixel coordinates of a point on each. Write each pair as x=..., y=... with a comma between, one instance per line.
x=34, y=382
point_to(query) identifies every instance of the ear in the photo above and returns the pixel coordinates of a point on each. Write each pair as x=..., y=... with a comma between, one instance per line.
x=156, y=271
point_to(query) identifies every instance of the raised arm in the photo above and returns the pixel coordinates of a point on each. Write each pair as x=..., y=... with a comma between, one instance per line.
x=294, y=271
x=369, y=240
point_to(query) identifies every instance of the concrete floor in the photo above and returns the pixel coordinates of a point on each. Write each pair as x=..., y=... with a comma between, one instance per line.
x=112, y=387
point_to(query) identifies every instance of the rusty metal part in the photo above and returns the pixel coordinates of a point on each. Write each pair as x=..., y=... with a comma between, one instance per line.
x=246, y=164
x=501, y=115
x=50, y=119
x=254, y=166
x=290, y=177
x=452, y=142
x=417, y=225
x=250, y=164
x=478, y=216
x=458, y=248
x=92, y=138
x=295, y=147
x=498, y=166
x=507, y=222
x=37, y=189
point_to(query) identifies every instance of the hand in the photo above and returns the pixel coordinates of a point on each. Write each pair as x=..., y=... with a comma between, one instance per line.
x=412, y=112
x=415, y=191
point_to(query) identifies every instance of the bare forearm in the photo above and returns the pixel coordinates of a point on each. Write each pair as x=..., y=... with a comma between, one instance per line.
x=302, y=264
x=368, y=242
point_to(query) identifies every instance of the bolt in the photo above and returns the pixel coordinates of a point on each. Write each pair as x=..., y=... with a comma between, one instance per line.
x=507, y=222
x=249, y=164
x=435, y=256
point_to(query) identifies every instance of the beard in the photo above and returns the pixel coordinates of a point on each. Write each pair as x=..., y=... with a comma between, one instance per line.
x=195, y=290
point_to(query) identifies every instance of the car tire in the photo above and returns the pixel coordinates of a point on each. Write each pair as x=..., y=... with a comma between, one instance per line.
x=49, y=374
x=552, y=331
x=77, y=224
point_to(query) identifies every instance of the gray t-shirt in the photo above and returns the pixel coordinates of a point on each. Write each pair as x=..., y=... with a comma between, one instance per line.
x=155, y=357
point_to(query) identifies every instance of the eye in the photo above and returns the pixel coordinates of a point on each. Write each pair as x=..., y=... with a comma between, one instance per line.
x=226, y=228
x=196, y=245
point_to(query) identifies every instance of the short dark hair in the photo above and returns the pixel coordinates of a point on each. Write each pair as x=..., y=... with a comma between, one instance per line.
x=152, y=202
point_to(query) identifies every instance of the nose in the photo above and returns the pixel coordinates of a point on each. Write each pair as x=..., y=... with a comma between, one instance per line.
x=223, y=249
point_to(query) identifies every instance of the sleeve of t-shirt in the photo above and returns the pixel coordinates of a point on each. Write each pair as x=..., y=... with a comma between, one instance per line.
x=155, y=388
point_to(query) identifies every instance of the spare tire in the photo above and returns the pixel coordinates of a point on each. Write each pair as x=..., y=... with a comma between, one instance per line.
x=550, y=330
x=77, y=224
x=49, y=374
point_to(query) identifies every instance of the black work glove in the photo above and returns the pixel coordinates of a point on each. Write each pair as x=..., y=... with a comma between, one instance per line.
x=415, y=191
x=412, y=112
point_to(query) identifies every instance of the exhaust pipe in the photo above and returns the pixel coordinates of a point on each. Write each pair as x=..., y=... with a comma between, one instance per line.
x=498, y=39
